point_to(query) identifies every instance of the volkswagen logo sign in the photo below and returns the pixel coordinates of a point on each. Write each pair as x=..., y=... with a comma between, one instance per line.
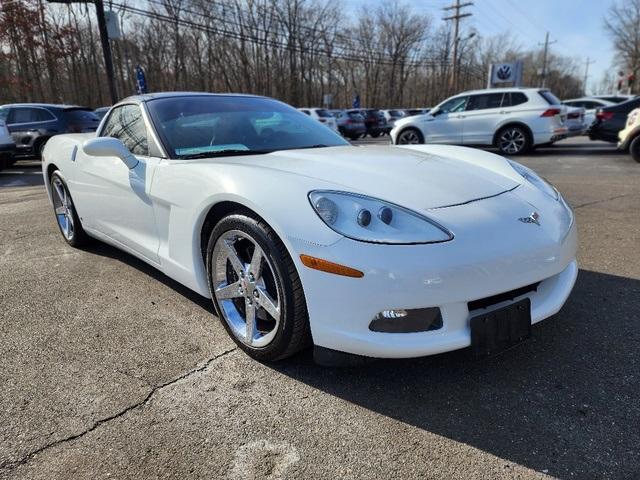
x=504, y=72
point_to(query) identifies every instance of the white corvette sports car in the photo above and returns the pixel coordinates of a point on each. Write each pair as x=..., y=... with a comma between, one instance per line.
x=300, y=238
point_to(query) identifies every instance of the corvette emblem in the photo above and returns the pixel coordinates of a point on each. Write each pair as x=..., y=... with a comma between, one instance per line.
x=533, y=218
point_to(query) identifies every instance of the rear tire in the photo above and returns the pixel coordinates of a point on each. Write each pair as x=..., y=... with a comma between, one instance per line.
x=634, y=149
x=256, y=289
x=513, y=140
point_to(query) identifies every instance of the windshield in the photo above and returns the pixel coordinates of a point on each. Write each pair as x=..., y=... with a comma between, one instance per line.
x=203, y=125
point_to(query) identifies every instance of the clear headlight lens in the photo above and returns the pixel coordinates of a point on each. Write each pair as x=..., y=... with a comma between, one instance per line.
x=535, y=179
x=371, y=220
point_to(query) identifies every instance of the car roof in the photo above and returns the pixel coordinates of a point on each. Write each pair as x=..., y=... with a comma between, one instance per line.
x=44, y=105
x=581, y=99
x=156, y=95
x=500, y=90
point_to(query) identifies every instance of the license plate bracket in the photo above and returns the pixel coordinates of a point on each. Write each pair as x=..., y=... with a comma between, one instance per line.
x=498, y=330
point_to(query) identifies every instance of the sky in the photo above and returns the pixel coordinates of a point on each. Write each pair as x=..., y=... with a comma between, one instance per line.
x=576, y=25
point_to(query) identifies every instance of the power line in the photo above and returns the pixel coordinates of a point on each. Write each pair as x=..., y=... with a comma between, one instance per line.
x=267, y=42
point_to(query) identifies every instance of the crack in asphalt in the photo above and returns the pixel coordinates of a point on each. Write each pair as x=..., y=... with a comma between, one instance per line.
x=11, y=465
x=604, y=200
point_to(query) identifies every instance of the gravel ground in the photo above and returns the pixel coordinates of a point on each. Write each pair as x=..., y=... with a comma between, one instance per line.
x=111, y=370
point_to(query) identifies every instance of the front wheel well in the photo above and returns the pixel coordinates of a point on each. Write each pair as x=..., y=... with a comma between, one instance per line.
x=50, y=169
x=216, y=213
x=411, y=127
x=524, y=126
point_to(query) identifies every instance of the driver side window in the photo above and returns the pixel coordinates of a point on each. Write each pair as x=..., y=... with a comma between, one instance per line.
x=457, y=104
x=127, y=125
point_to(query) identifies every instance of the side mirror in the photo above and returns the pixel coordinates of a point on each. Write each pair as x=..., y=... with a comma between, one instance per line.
x=109, y=147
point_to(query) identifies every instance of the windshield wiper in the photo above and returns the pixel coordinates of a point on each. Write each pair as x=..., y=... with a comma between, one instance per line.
x=223, y=153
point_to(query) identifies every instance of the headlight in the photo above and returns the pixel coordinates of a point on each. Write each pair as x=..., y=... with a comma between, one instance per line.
x=371, y=220
x=534, y=179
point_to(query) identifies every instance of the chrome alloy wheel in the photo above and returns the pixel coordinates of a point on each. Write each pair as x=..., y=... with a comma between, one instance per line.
x=409, y=137
x=246, y=289
x=512, y=140
x=63, y=207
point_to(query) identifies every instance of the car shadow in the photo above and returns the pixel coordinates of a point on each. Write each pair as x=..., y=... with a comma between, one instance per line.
x=566, y=402
x=22, y=174
x=99, y=248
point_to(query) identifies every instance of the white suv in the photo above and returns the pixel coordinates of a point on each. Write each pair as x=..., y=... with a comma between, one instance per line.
x=511, y=119
x=323, y=116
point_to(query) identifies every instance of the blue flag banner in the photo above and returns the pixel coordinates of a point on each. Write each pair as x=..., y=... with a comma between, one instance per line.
x=141, y=81
x=356, y=102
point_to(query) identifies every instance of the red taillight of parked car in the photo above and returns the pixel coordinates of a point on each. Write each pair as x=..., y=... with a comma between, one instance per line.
x=604, y=116
x=551, y=112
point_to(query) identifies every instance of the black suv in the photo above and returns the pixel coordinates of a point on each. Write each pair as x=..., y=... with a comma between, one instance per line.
x=374, y=121
x=610, y=120
x=32, y=124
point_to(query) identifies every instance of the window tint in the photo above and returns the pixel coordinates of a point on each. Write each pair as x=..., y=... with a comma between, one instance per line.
x=126, y=124
x=219, y=125
x=306, y=112
x=511, y=99
x=549, y=97
x=4, y=113
x=456, y=104
x=42, y=115
x=323, y=113
x=28, y=115
x=81, y=116
x=484, y=101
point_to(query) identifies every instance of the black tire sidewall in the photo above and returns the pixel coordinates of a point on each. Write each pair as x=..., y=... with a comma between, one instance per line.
x=263, y=235
x=634, y=149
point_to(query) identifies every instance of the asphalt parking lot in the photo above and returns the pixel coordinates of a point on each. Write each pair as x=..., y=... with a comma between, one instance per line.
x=111, y=370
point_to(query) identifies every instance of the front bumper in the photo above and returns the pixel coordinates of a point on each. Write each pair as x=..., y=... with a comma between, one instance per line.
x=447, y=275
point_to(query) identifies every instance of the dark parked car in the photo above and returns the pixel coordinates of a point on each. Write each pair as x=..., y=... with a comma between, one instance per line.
x=350, y=124
x=101, y=112
x=410, y=112
x=374, y=121
x=610, y=120
x=32, y=124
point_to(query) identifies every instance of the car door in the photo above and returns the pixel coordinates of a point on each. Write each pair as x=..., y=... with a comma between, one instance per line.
x=445, y=125
x=481, y=117
x=113, y=199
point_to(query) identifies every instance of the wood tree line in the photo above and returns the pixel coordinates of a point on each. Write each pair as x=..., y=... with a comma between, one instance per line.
x=294, y=50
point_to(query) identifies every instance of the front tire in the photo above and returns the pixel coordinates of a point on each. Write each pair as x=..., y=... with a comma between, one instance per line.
x=634, y=149
x=256, y=289
x=66, y=215
x=513, y=140
x=410, y=136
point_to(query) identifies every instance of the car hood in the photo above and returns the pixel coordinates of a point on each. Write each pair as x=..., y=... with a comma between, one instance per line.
x=421, y=179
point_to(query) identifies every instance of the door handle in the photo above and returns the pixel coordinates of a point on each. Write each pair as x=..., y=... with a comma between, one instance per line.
x=461, y=116
x=503, y=111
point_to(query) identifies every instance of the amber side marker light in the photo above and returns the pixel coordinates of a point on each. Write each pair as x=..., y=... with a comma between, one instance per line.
x=330, y=267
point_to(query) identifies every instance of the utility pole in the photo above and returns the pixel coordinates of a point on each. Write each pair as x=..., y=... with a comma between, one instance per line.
x=544, y=59
x=453, y=79
x=586, y=73
x=104, y=40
